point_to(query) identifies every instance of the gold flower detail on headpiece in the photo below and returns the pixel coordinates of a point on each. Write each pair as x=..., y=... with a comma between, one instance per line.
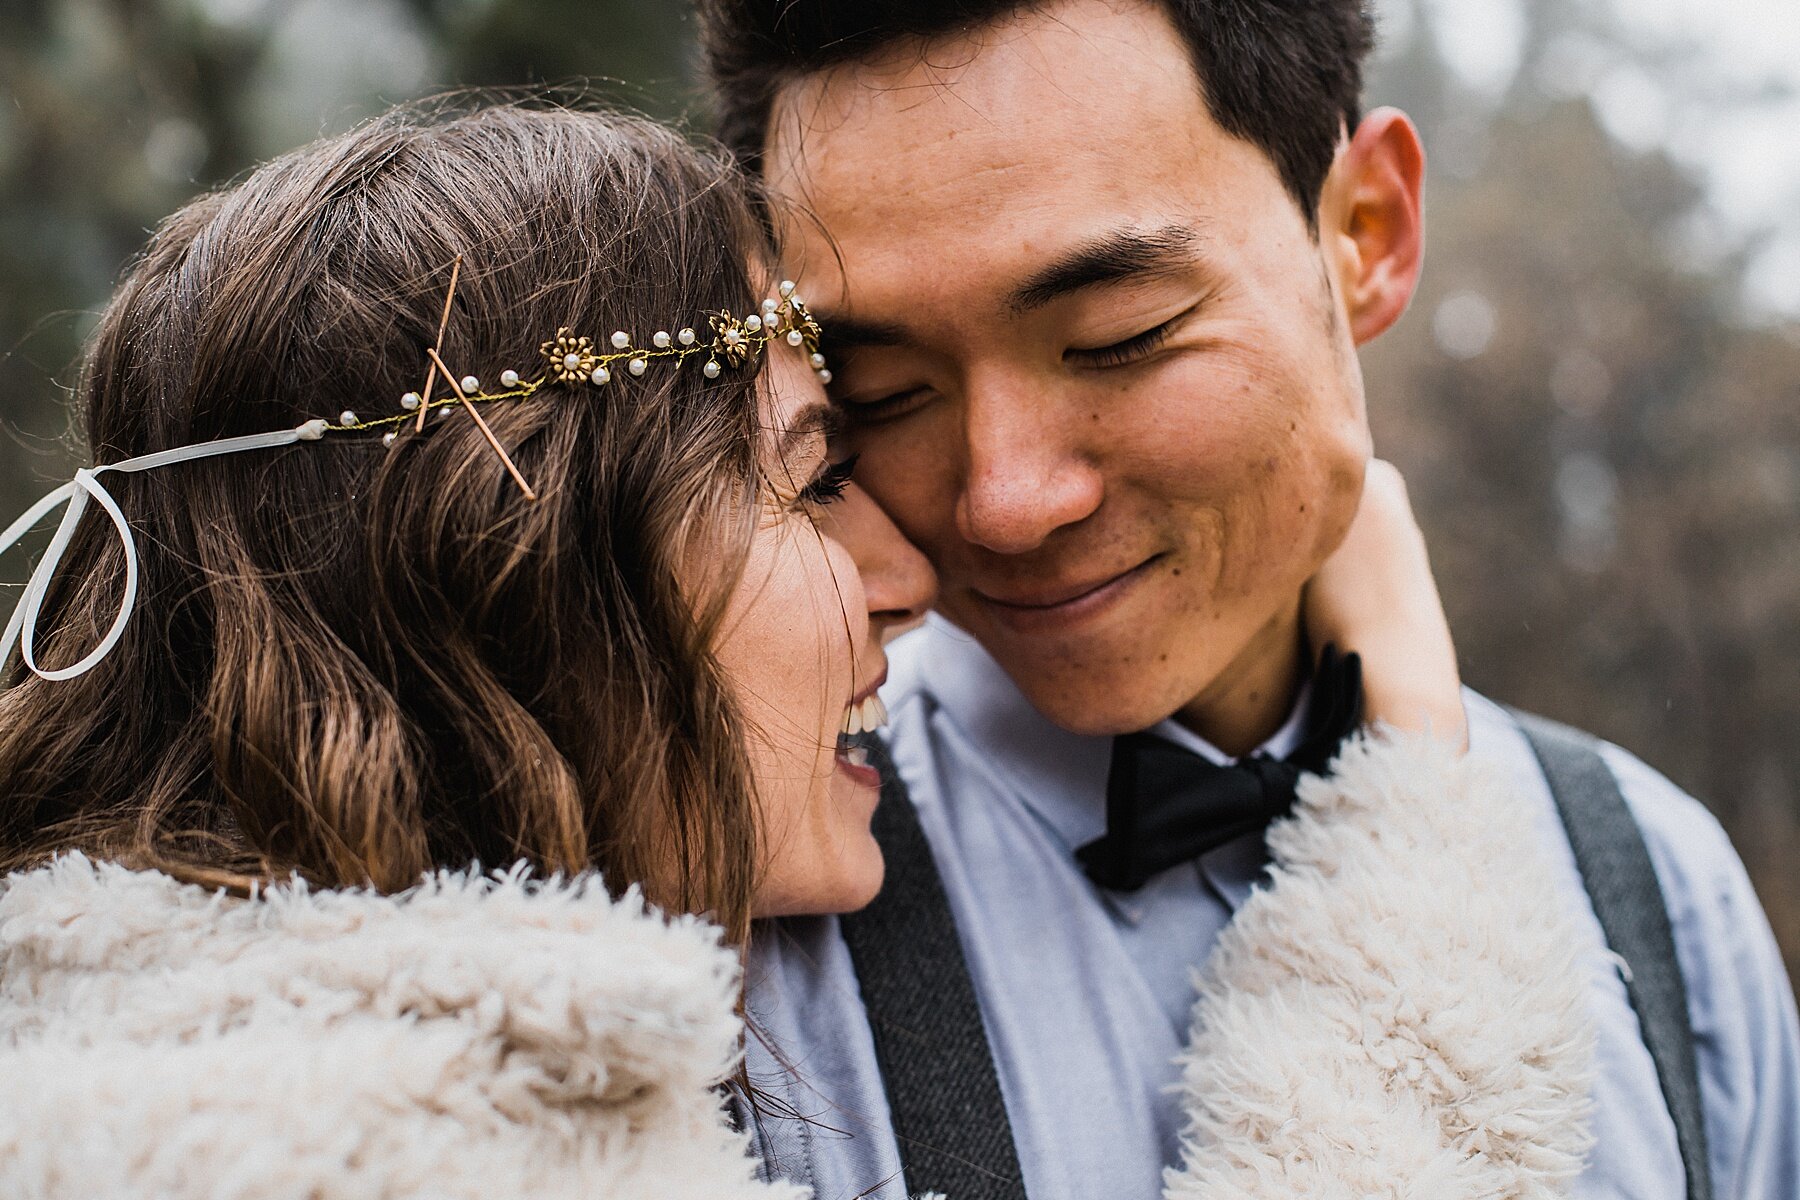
x=733, y=343
x=571, y=358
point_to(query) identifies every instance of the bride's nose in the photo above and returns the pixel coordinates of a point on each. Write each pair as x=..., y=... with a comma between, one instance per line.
x=899, y=585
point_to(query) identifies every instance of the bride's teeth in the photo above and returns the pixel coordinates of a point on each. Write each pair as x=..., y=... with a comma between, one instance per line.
x=865, y=716
x=857, y=756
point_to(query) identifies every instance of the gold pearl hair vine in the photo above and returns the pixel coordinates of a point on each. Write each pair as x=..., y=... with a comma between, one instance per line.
x=574, y=358
x=570, y=358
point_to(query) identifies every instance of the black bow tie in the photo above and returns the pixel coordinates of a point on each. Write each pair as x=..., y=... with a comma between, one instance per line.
x=1167, y=805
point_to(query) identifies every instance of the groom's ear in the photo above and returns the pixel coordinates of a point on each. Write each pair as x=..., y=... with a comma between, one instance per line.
x=1371, y=221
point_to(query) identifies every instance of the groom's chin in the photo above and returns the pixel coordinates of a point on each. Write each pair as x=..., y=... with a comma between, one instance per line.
x=1154, y=663
x=1098, y=682
x=1099, y=699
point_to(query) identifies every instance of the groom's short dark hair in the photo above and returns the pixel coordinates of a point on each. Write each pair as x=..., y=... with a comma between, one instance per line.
x=1284, y=75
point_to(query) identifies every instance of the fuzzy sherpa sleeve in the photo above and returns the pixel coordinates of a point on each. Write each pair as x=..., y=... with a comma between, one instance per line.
x=1402, y=1011
x=476, y=1037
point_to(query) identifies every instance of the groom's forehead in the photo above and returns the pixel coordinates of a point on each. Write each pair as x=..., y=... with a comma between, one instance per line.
x=1285, y=78
x=1008, y=172
x=1050, y=75
x=1055, y=113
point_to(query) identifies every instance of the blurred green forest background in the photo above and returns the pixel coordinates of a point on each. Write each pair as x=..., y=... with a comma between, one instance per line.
x=1596, y=397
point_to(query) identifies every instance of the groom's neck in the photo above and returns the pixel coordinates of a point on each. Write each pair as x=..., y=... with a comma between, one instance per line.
x=1254, y=696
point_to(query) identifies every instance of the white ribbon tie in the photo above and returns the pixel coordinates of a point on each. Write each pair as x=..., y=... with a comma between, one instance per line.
x=21, y=629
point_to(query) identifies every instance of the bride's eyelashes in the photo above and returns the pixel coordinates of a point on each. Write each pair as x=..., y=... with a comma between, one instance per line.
x=829, y=484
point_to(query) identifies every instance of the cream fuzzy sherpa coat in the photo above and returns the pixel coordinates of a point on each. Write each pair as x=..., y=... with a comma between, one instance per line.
x=1399, y=1014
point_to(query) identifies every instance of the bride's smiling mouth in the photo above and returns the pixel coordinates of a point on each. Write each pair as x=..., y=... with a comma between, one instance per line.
x=863, y=716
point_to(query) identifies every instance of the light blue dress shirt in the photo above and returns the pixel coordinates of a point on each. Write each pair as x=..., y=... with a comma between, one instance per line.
x=1085, y=994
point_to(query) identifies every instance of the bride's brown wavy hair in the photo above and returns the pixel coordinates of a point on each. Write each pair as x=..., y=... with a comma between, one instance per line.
x=359, y=663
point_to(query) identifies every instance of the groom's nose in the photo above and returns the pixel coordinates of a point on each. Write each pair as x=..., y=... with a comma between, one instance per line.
x=898, y=584
x=1027, y=473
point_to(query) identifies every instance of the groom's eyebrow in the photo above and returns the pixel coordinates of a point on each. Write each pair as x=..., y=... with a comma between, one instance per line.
x=845, y=333
x=1120, y=255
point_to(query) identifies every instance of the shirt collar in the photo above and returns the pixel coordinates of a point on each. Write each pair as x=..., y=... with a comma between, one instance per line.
x=1060, y=776
x=1280, y=744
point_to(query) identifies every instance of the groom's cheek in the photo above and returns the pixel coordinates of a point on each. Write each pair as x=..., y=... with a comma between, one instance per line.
x=1260, y=494
x=910, y=468
x=1324, y=493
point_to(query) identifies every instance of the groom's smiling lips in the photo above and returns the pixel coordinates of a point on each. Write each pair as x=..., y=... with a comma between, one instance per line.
x=1052, y=605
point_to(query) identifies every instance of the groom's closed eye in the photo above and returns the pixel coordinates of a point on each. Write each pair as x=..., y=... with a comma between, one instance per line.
x=873, y=405
x=876, y=408
x=1132, y=349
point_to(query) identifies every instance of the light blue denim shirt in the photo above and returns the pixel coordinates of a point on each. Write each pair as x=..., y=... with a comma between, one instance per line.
x=1085, y=994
